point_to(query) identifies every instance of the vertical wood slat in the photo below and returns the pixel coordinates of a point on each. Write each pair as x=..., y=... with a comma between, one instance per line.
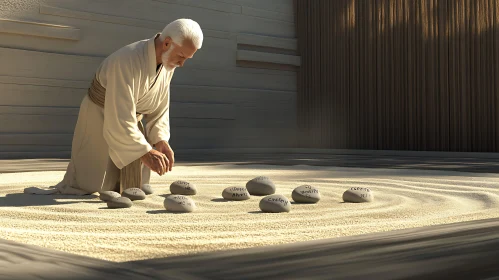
x=352, y=60
x=431, y=66
x=370, y=94
x=495, y=61
x=444, y=75
x=488, y=126
x=391, y=58
x=465, y=65
x=478, y=134
x=453, y=43
x=361, y=122
x=411, y=80
x=418, y=74
x=379, y=74
x=396, y=74
x=495, y=64
x=425, y=93
x=400, y=77
x=482, y=112
x=474, y=88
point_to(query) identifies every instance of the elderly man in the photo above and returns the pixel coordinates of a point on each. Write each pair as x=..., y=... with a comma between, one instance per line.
x=110, y=146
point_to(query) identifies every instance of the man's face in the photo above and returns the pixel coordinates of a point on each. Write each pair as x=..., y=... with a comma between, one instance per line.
x=175, y=55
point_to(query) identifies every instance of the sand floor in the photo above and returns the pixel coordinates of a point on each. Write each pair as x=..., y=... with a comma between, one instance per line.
x=84, y=225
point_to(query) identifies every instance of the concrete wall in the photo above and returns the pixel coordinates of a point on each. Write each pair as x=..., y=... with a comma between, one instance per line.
x=238, y=92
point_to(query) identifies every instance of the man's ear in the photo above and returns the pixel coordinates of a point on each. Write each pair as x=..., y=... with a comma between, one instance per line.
x=167, y=43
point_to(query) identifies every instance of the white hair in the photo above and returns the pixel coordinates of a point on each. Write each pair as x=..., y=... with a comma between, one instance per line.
x=182, y=29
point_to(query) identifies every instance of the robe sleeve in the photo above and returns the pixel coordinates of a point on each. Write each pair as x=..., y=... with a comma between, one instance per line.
x=126, y=142
x=158, y=122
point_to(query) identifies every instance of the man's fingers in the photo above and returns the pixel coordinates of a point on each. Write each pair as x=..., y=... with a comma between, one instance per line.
x=164, y=163
x=160, y=165
x=152, y=165
x=168, y=164
x=157, y=167
x=170, y=161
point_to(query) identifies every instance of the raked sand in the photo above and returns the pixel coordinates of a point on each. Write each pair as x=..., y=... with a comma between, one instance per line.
x=402, y=199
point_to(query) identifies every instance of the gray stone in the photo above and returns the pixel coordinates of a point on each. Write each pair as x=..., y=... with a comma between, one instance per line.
x=119, y=202
x=108, y=195
x=183, y=188
x=179, y=203
x=134, y=194
x=236, y=193
x=358, y=194
x=275, y=203
x=260, y=186
x=147, y=189
x=306, y=194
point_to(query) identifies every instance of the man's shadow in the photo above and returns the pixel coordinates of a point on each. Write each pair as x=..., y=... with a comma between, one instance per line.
x=22, y=199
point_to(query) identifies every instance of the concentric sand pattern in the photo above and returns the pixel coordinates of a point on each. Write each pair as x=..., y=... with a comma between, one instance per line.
x=146, y=230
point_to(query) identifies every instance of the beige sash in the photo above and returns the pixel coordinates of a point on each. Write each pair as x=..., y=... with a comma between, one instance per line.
x=130, y=175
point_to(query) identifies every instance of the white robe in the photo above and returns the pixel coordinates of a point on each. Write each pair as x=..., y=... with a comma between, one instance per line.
x=106, y=140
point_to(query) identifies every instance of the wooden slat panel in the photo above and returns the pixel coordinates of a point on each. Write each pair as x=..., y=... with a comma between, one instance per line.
x=444, y=72
x=268, y=57
x=281, y=6
x=37, y=124
x=380, y=54
x=28, y=110
x=267, y=14
x=372, y=75
x=184, y=135
x=207, y=18
x=33, y=148
x=495, y=62
x=203, y=110
x=489, y=76
x=267, y=41
x=29, y=95
x=231, y=137
x=21, y=154
x=43, y=82
x=36, y=139
x=37, y=29
x=178, y=110
x=452, y=80
x=207, y=4
x=60, y=96
x=395, y=74
x=205, y=123
x=211, y=58
x=41, y=65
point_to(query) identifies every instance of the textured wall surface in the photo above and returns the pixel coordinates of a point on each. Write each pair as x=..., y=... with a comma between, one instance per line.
x=399, y=75
x=238, y=91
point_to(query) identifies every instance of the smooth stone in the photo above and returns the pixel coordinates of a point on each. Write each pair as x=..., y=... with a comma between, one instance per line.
x=134, y=194
x=358, y=194
x=236, y=193
x=306, y=194
x=183, y=188
x=260, y=186
x=147, y=189
x=108, y=195
x=179, y=203
x=275, y=203
x=119, y=202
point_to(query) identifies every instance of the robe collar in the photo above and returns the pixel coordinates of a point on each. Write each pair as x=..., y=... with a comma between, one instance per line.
x=151, y=50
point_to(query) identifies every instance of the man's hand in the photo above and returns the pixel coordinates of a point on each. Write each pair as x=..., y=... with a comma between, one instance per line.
x=164, y=147
x=156, y=161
